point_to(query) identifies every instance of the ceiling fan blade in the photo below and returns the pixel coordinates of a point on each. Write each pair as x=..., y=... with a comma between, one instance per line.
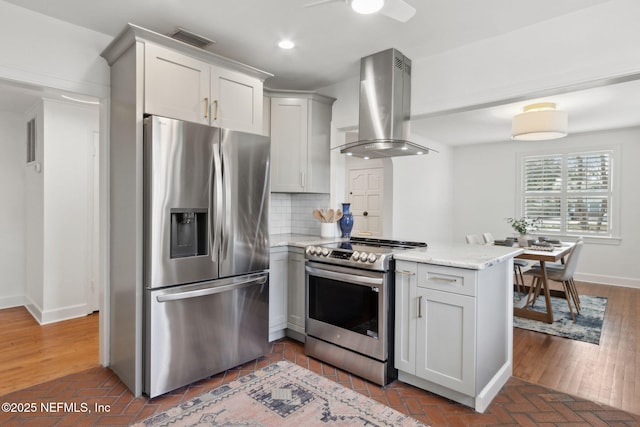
x=398, y=10
x=320, y=2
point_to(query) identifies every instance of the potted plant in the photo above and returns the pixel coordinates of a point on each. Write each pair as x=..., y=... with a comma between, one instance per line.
x=523, y=226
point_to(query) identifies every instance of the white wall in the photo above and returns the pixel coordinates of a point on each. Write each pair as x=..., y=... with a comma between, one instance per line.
x=58, y=238
x=12, y=213
x=484, y=183
x=44, y=51
x=69, y=131
x=34, y=217
x=422, y=194
x=594, y=43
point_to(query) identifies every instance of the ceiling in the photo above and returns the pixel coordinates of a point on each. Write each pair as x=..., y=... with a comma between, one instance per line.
x=330, y=40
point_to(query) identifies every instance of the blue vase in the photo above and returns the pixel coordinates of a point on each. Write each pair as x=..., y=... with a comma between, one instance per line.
x=346, y=222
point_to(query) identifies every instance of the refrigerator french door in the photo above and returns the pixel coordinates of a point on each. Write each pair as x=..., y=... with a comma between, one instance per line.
x=206, y=251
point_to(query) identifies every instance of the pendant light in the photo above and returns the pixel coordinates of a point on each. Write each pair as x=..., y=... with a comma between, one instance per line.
x=366, y=7
x=539, y=122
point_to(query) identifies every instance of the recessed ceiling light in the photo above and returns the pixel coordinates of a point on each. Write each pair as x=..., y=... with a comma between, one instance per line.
x=286, y=44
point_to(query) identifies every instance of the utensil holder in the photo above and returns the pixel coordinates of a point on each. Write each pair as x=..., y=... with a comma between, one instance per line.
x=327, y=229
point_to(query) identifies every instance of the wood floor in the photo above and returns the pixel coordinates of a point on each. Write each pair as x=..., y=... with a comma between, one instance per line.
x=31, y=354
x=608, y=373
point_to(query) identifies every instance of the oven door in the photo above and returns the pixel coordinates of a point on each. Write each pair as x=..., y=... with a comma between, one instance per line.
x=348, y=307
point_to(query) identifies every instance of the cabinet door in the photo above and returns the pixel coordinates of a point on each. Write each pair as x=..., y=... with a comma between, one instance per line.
x=277, y=292
x=236, y=101
x=288, y=144
x=406, y=317
x=318, y=145
x=296, y=293
x=175, y=85
x=446, y=339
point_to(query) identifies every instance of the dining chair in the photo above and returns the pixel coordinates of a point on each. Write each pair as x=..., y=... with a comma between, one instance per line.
x=563, y=275
x=518, y=266
x=474, y=239
x=572, y=283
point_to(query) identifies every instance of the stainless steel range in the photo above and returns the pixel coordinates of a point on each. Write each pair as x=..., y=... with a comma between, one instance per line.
x=350, y=305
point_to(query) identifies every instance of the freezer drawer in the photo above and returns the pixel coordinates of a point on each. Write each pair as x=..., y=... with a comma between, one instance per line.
x=195, y=331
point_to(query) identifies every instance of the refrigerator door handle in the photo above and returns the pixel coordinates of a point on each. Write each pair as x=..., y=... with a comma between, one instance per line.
x=215, y=205
x=210, y=291
x=225, y=229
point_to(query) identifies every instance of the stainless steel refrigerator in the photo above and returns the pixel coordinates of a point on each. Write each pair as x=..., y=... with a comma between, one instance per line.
x=206, y=251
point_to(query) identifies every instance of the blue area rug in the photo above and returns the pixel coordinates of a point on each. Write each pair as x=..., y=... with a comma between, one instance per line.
x=588, y=325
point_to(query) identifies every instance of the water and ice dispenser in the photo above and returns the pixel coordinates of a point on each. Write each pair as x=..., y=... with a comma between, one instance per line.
x=188, y=232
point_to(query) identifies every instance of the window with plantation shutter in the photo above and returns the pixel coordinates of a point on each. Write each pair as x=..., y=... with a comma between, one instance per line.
x=571, y=193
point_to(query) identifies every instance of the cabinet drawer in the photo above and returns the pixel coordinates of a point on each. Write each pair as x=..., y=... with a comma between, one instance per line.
x=447, y=279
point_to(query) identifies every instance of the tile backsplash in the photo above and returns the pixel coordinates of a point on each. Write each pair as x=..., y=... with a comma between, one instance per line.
x=292, y=213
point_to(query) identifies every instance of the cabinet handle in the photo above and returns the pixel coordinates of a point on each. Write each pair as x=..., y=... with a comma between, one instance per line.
x=206, y=108
x=406, y=273
x=302, y=179
x=215, y=110
x=420, y=307
x=443, y=279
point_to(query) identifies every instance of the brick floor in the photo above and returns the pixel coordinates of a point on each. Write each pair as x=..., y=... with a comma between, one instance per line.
x=96, y=397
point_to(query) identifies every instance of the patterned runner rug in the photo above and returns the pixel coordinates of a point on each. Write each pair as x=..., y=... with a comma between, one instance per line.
x=588, y=325
x=282, y=394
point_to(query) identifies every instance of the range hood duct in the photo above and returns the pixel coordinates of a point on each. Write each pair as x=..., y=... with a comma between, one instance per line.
x=385, y=103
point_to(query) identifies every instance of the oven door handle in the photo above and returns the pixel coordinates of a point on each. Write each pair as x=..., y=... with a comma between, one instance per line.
x=349, y=278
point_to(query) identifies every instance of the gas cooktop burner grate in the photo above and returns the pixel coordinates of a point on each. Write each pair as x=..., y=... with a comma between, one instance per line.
x=367, y=241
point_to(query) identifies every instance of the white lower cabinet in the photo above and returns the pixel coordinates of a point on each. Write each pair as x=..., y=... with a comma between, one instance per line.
x=452, y=330
x=296, y=294
x=446, y=321
x=286, y=293
x=278, y=271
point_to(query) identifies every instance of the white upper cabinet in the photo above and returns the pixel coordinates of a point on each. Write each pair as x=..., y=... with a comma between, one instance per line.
x=182, y=87
x=300, y=142
x=236, y=101
x=175, y=85
x=288, y=144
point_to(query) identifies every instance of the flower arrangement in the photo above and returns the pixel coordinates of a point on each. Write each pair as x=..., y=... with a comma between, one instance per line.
x=523, y=225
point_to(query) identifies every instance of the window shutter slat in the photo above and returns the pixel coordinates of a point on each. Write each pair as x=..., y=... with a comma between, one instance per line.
x=570, y=193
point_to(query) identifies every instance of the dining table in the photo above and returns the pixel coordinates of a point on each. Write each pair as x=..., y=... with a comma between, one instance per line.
x=557, y=254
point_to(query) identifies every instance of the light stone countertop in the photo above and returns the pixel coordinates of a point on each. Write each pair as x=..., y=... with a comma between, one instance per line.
x=461, y=255
x=301, y=240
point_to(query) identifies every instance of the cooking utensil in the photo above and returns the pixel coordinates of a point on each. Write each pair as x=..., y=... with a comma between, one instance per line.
x=338, y=215
x=318, y=215
x=330, y=215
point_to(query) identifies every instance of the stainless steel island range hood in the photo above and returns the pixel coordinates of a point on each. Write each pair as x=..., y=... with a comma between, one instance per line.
x=385, y=103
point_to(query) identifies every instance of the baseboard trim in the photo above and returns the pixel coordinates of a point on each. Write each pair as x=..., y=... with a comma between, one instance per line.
x=624, y=282
x=44, y=317
x=10, y=302
x=64, y=313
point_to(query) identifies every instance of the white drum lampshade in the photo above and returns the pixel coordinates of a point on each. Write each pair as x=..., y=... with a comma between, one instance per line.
x=367, y=7
x=539, y=122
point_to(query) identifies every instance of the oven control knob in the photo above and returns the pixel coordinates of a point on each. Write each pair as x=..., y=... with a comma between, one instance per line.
x=363, y=256
x=325, y=252
x=372, y=258
x=311, y=250
x=355, y=256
